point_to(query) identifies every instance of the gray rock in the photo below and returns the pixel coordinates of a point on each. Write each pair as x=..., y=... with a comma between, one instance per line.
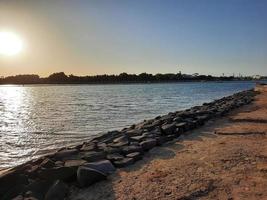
x=57, y=191
x=115, y=157
x=93, y=156
x=61, y=173
x=65, y=154
x=148, y=144
x=47, y=163
x=87, y=176
x=124, y=163
x=135, y=155
x=168, y=128
x=134, y=132
x=104, y=166
x=74, y=163
x=123, y=138
x=11, y=184
x=131, y=149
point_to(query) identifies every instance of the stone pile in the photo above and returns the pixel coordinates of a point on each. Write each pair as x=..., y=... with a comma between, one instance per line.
x=50, y=177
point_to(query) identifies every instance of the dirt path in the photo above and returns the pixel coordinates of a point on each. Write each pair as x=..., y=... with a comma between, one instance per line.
x=226, y=159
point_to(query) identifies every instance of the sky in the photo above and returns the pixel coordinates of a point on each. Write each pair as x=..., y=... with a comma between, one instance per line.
x=88, y=37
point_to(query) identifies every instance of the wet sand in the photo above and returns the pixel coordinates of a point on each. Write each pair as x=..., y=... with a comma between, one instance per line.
x=225, y=159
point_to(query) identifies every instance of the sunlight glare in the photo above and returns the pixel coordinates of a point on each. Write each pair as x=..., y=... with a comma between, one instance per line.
x=10, y=44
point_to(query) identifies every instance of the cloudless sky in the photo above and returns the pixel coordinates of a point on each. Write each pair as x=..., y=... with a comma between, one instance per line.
x=156, y=36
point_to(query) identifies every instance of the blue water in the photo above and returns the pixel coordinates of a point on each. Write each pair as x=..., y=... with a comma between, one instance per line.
x=35, y=119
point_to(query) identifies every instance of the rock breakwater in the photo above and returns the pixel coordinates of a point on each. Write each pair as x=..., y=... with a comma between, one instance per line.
x=50, y=177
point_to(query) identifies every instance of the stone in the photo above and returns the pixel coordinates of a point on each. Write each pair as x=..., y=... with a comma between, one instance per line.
x=88, y=147
x=104, y=166
x=74, y=163
x=134, y=132
x=12, y=183
x=65, y=154
x=148, y=144
x=38, y=188
x=19, y=197
x=182, y=126
x=131, y=149
x=112, y=150
x=160, y=140
x=135, y=155
x=87, y=176
x=61, y=173
x=115, y=157
x=93, y=156
x=124, y=163
x=168, y=128
x=123, y=138
x=138, y=138
x=47, y=163
x=119, y=144
x=57, y=191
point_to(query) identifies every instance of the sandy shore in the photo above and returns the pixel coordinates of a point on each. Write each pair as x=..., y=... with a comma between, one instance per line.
x=225, y=159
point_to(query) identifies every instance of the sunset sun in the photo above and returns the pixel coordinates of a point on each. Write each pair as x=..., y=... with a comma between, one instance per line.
x=10, y=44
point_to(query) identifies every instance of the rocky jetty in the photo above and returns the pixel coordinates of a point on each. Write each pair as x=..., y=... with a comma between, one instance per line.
x=50, y=177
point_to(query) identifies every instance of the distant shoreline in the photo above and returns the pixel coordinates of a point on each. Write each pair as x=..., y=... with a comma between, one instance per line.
x=123, y=78
x=127, y=83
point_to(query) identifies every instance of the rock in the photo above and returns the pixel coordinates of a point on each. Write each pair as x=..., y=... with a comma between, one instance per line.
x=134, y=132
x=74, y=163
x=38, y=188
x=112, y=150
x=89, y=147
x=123, y=138
x=47, y=163
x=57, y=191
x=138, y=138
x=168, y=128
x=124, y=163
x=135, y=155
x=19, y=197
x=160, y=140
x=148, y=144
x=119, y=144
x=182, y=126
x=93, y=156
x=104, y=166
x=114, y=157
x=65, y=154
x=87, y=176
x=131, y=149
x=11, y=184
x=61, y=173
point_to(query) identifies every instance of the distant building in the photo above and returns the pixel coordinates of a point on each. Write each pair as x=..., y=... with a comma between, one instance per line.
x=256, y=77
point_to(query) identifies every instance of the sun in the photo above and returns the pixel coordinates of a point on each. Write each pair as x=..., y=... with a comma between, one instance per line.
x=10, y=43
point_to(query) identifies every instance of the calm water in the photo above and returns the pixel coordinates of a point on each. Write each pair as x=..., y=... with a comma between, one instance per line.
x=35, y=119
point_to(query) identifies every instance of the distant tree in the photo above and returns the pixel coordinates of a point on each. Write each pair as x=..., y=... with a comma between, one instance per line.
x=59, y=77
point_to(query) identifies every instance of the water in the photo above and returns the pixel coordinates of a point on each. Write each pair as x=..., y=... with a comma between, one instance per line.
x=36, y=119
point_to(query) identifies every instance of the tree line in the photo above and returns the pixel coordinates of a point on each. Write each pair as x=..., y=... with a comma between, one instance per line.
x=62, y=78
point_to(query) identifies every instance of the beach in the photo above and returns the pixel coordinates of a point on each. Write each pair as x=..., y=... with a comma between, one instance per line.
x=225, y=159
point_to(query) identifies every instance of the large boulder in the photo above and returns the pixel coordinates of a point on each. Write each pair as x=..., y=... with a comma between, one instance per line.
x=104, y=166
x=87, y=176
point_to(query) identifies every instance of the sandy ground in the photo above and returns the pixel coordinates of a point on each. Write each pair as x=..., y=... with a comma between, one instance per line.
x=225, y=159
